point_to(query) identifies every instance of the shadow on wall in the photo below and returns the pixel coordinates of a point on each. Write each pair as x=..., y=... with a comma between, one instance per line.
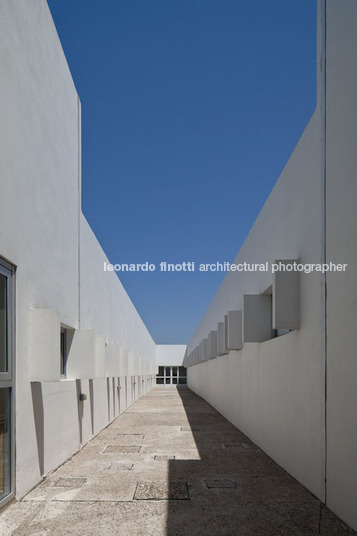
x=95, y=404
x=38, y=411
x=233, y=488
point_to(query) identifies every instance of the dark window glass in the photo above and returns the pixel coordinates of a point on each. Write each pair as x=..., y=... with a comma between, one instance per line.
x=161, y=371
x=167, y=379
x=174, y=381
x=182, y=371
x=3, y=324
x=63, y=351
x=159, y=381
x=174, y=371
x=5, y=442
x=167, y=371
x=182, y=381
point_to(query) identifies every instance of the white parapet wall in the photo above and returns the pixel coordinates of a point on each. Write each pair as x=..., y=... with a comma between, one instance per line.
x=170, y=354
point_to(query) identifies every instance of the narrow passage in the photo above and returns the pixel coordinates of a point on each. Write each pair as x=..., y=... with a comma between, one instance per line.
x=170, y=465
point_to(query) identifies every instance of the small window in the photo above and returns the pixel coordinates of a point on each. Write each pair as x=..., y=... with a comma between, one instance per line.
x=63, y=342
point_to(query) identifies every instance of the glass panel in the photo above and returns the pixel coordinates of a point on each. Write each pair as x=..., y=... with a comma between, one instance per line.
x=182, y=381
x=167, y=371
x=3, y=324
x=167, y=379
x=161, y=371
x=159, y=381
x=182, y=371
x=174, y=371
x=174, y=381
x=63, y=352
x=5, y=442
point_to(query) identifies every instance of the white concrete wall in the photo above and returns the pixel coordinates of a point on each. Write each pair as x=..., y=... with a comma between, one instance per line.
x=171, y=355
x=275, y=390
x=39, y=152
x=59, y=276
x=105, y=304
x=341, y=231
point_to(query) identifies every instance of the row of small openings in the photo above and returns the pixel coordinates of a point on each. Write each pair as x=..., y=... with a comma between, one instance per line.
x=260, y=315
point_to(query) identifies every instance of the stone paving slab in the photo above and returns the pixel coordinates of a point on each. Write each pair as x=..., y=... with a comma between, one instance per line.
x=151, y=473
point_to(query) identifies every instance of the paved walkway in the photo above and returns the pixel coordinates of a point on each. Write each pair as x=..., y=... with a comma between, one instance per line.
x=170, y=466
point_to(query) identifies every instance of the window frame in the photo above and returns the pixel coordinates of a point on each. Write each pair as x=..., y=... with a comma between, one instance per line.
x=7, y=271
x=7, y=378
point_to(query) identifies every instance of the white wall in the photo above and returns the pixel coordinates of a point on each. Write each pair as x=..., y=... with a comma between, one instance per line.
x=341, y=220
x=39, y=150
x=275, y=390
x=104, y=302
x=59, y=276
x=170, y=355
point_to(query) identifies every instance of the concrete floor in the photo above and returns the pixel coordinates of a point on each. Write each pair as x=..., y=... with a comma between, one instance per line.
x=170, y=466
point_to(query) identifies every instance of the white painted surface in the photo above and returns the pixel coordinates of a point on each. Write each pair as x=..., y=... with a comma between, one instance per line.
x=286, y=298
x=44, y=234
x=234, y=330
x=257, y=318
x=221, y=343
x=170, y=354
x=341, y=219
x=81, y=354
x=212, y=345
x=274, y=390
x=99, y=356
x=44, y=345
x=105, y=305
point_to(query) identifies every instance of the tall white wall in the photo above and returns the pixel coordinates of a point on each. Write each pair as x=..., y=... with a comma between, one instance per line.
x=39, y=154
x=104, y=303
x=275, y=390
x=59, y=276
x=341, y=220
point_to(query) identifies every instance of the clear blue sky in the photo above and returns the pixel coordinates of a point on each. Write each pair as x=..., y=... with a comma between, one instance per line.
x=190, y=110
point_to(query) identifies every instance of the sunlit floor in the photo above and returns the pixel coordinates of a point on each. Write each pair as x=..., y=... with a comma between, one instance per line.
x=170, y=465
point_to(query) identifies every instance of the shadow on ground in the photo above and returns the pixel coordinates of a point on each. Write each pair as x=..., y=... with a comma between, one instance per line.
x=234, y=489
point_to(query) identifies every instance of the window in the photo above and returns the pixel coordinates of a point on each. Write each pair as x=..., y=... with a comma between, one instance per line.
x=171, y=376
x=6, y=381
x=183, y=376
x=63, y=344
x=3, y=323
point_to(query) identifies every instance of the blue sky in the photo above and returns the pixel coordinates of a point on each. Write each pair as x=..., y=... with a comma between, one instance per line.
x=190, y=110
